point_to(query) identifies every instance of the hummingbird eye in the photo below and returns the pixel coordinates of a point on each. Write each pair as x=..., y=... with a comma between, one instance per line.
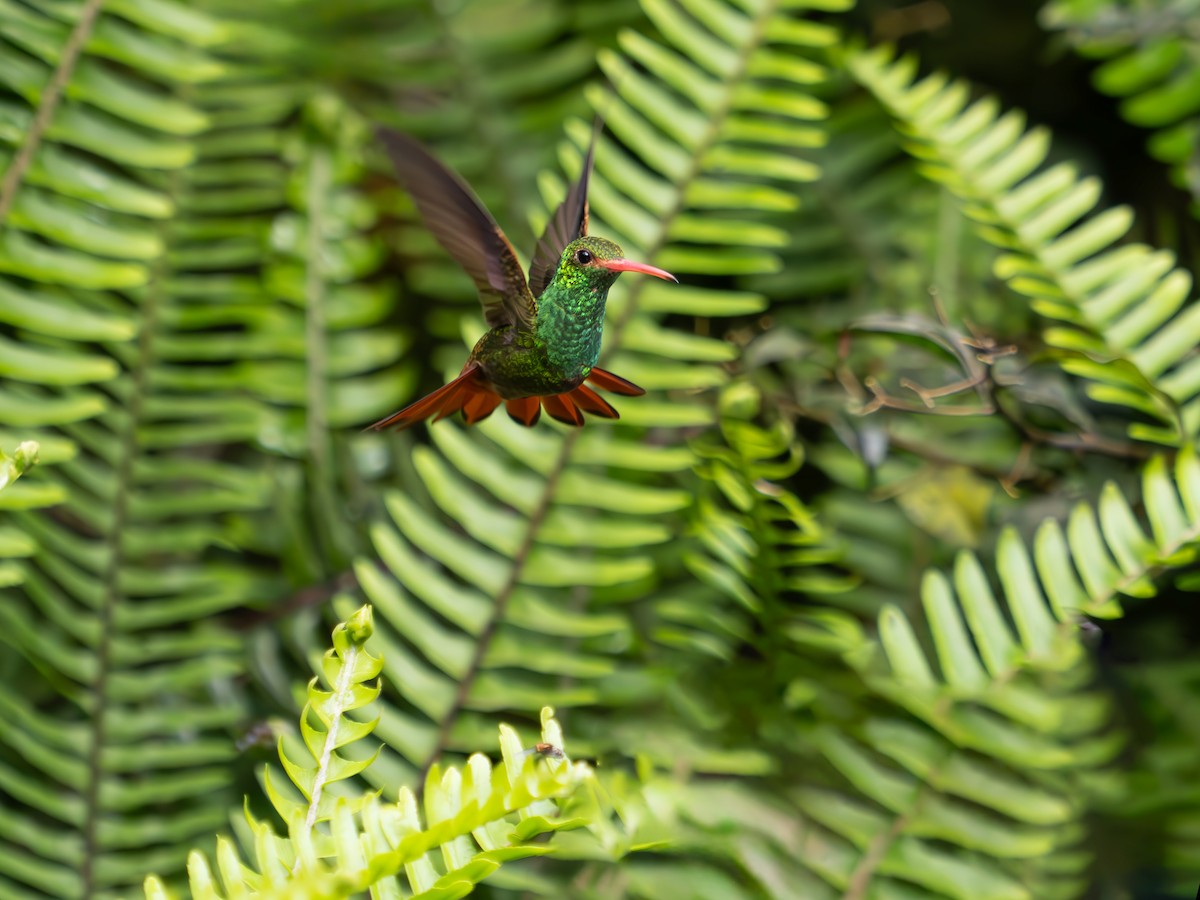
x=583, y=257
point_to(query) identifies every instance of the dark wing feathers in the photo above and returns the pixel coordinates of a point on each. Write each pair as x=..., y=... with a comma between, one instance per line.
x=568, y=223
x=462, y=225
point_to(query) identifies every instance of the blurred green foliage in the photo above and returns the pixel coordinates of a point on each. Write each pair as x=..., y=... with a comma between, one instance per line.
x=882, y=591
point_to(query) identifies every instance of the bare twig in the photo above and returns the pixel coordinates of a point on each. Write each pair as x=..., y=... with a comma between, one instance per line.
x=977, y=353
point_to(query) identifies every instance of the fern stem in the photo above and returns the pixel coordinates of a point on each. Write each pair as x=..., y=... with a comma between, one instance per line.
x=855, y=228
x=339, y=703
x=114, y=549
x=946, y=260
x=314, y=295
x=860, y=878
x=483, y=642
x=320, y=176
x=48, y=103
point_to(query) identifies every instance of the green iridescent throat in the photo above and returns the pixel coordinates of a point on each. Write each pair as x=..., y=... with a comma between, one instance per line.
x=570, y=321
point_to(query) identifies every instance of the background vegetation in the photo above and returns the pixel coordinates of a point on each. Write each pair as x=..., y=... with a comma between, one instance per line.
x=881, y=592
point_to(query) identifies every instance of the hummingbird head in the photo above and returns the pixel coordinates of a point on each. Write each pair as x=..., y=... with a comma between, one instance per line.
x=597, y=262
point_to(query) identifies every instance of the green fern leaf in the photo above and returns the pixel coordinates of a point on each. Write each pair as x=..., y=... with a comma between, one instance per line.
x=112, y=249
x=1009, y=717
x=1125, y=329
x=997, y=738
x=480, y=615
x=341, y=846
x=1148, y=62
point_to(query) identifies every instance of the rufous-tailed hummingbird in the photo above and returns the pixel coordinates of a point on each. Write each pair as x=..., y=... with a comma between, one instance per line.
x=545, y=332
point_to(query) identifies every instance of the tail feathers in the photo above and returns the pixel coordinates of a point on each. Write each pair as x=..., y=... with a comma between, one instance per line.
x=569, y=408
x=470, y=395
x=480, y=406
x=453, y=400
x=606, y=380
x=589, y=401
x=526, y=410
x=465, y=393
x=563, y=408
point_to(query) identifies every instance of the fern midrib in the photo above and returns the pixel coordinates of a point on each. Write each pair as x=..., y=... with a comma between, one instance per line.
x=545, y=500
x=314, y=291
x=488, y=632
x=114, y=550
x=860, y=879
x=316, y=350
x=48, y=103
x=380, y=862
x=715, y=120
x=339, y=703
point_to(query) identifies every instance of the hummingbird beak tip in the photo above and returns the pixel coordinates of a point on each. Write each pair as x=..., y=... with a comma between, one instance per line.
x=628, y=265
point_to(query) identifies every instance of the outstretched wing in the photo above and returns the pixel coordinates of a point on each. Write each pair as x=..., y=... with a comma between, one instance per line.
x=568, y=223
x=462, y=225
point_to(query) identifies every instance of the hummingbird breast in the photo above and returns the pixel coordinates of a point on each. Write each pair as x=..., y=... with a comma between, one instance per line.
x=524, y=364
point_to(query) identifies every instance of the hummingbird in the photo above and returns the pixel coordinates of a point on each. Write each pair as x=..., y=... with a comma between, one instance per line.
x=545, y=331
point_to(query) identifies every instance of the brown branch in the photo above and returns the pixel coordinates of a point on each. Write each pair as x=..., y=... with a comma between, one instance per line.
x=1085, y=441
x=979, y=375
x=881, y=399
x=1017, y=474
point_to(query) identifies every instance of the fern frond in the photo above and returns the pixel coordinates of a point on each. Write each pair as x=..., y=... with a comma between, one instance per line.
x=553, y=530
x=1111, y=555
x=328, y=348
x=333, y=356
x=979, y=737
x=72, y=225
x=129, y=232
x=1006, y=714
x=1127, y=328
x=849, y=236
x=761, y=544
x=346, y=669
x=1149, y=61
x=476, y=818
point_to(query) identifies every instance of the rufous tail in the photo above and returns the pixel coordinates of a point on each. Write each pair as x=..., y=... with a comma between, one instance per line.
x=470, y=394
x=606, y=380
x=569, y=407
x=467, y=393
